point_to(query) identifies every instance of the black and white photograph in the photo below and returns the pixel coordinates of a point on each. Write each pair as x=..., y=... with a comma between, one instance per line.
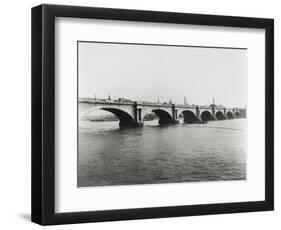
x=160, y=113
x=142, y=113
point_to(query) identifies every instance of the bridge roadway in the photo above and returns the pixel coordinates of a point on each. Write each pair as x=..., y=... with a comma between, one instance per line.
x=131, y=113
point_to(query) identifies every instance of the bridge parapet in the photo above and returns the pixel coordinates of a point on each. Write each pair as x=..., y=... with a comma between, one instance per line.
x=104, y=101
x=185, y=106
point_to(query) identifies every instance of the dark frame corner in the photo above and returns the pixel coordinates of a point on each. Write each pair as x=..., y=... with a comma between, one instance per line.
x=43, y=122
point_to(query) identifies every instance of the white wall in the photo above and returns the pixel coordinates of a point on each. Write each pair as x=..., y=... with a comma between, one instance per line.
x=15, y=114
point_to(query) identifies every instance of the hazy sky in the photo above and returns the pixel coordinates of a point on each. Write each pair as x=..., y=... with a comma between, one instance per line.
x=146, y=72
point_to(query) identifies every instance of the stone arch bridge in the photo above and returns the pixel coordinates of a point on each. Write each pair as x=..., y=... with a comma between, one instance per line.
x=131, y=113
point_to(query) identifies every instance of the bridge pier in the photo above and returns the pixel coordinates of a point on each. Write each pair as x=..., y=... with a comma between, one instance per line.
x=214, y=112
x=198, y=117
x=137, y=118
x=233, y=114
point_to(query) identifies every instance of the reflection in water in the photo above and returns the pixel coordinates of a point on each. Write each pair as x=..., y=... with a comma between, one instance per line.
x=161, y=154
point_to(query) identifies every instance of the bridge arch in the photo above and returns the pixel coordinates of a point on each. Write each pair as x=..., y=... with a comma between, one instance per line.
x=229, y=115
x=206, y=116
x=237, y=114
x=164, y=116
x=125, y=119
x=189, y=116
x=219, y=115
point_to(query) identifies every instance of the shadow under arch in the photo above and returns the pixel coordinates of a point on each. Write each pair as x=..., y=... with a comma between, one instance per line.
x=189, y=116
x=125, y=119
x=206, y=116
x=229, y=115
x=219, y=115
x=164, y=116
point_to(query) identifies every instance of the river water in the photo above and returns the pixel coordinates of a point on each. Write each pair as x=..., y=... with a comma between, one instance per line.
x=153, y=154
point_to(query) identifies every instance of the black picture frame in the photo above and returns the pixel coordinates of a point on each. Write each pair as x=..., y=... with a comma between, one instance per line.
x=43, y=114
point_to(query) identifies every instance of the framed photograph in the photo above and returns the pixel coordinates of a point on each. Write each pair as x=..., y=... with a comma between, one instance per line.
x=144, y=114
